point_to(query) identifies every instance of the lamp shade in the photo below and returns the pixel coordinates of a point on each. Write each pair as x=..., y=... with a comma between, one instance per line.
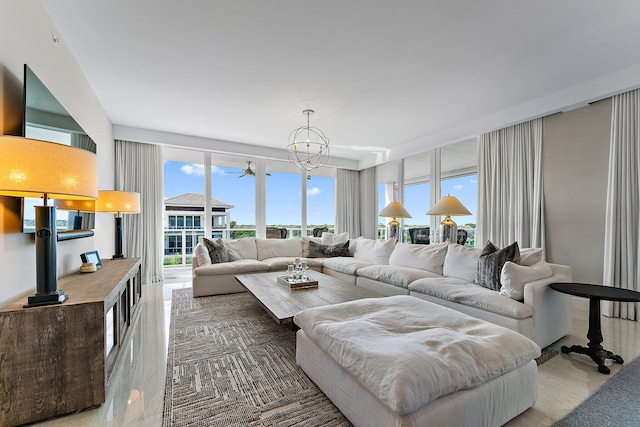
x=75, y=205
x=394, y=210
x=118, y=202
x=33, y=168
x=449, y=206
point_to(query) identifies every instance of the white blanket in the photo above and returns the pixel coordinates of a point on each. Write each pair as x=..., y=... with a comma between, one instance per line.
x=409, y=352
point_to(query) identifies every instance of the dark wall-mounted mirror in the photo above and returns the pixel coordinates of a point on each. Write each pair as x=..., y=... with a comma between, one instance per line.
x=46, y=119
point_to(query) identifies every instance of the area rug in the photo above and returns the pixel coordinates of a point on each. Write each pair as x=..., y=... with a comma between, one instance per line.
x=546, y=354
x=230, y=364
x=616, y=403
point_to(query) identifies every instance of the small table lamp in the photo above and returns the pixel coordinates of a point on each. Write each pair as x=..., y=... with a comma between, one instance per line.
x=32, y=168
x=447, y=206
x=78, y=206
x=394, y=210
x=118, y=202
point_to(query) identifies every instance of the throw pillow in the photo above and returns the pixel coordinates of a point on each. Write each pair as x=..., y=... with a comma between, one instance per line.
x=461, y=262
x=423, y=257
x=333, y=239
x=201, y=253
x=374, y=251
x=316, y=250
x=530, y=256
x=305, y=245
x=513, y=278
x=217, y=250
x=244, y=248
x=491, y=261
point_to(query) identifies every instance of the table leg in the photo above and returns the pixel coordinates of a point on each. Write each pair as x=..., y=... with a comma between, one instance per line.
x=594, y=347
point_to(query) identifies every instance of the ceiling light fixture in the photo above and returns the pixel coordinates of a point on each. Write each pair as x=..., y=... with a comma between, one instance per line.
x=308, y=146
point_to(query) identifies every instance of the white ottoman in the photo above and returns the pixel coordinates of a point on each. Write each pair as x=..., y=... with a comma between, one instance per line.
x=402, y=361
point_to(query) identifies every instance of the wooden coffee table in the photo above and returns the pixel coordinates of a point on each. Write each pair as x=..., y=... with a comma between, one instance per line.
x=282, y=303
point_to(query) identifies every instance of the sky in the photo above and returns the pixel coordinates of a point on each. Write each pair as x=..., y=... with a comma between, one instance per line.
x=284, y=193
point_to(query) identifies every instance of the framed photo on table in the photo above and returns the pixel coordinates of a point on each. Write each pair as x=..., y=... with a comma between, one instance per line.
x=91, y=257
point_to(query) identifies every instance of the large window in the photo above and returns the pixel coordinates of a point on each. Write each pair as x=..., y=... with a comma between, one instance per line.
x=320, y=201
x=233, y=192
x=460, y=179
x=283, y=199
x=417, y=192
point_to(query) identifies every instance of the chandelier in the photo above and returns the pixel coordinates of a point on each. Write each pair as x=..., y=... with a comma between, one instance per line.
x=308, y=146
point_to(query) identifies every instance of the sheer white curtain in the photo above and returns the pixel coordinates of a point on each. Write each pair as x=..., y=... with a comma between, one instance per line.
x=510, y=192
x=347, y=207
x=369, y=203
x=139, y=168
x=621, y=252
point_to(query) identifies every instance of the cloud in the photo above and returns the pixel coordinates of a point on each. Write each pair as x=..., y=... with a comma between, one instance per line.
x=314, y=191
x=193, y=169
x=457, y=187
x=198, y=170
x=473, y=181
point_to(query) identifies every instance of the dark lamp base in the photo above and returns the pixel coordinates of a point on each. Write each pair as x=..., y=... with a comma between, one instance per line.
x=121, y=256
x=37, y=300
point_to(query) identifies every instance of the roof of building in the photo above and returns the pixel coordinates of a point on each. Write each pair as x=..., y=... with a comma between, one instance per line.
x=195, y=199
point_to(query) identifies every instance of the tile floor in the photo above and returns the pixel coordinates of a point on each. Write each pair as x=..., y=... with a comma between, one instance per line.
x=136, y=389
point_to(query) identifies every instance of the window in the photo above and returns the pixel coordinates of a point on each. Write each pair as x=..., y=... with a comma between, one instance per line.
x=284, y=197
x=233, y=193
x=320, y=201
x=417, y=192
x=460, y=179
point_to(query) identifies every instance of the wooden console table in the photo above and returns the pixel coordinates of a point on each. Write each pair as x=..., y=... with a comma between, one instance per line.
x=57, y=359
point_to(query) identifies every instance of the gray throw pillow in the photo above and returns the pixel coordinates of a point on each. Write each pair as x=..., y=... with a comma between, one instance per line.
x=218, y=252
x=491, y=262
x=316, y=250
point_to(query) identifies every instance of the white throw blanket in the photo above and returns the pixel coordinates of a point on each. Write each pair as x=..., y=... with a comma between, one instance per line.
x=409, y=352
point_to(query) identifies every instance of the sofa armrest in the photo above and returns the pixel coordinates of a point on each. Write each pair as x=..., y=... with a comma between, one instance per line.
x=551, y=309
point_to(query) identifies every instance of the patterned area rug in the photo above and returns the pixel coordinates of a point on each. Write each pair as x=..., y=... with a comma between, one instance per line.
x=230, y=364
x=613, y=404
x=546, y=354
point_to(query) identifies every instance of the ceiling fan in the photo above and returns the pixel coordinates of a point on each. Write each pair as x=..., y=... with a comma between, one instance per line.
x=248, y=171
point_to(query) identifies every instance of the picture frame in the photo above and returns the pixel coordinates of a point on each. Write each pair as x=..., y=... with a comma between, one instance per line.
x=91, y=257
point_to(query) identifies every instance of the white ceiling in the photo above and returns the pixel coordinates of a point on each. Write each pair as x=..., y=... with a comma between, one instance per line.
x=386, y=79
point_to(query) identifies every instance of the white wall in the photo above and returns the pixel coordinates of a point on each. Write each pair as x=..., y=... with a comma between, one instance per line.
x=576, y=161
x=26, y=33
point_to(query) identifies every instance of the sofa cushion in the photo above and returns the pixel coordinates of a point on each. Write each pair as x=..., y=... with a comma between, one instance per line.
x=236, y=267
x=244, y=248
x=394, y=274
x=530, y=256
x=374, y=251
x=305, y=244
x=423, y=257
x=513, y=277
x=272, y=248
x=491, y=261
x=346, y=265
x=470, y=294
x=317, y=250
x=201, y=253
x=461, y=262
x=333, y=239
x=217, y=250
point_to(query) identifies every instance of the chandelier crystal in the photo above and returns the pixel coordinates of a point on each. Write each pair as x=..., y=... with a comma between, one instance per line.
x=308, y=146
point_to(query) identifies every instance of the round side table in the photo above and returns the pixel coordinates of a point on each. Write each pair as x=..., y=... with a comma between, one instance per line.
x=595, y=293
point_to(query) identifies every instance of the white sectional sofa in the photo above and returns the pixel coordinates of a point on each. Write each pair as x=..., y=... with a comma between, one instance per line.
x=442, y=273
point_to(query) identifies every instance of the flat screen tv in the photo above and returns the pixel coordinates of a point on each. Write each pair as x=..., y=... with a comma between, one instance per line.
x=47, y=120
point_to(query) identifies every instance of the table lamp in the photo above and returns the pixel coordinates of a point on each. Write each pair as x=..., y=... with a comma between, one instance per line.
x=118, y=203
x=33, y=168
x=394, y=210
x=78, y=206
x=447, y=206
